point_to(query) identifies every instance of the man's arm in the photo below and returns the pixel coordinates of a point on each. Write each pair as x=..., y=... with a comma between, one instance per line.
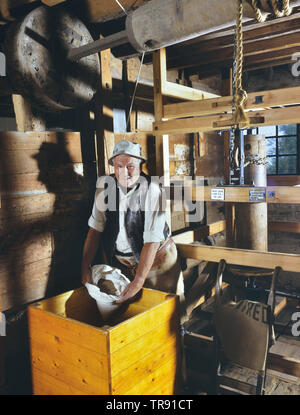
x=146, y=261
x=89, y=251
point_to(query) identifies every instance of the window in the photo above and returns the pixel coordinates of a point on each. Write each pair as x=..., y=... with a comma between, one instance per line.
x=282, y=143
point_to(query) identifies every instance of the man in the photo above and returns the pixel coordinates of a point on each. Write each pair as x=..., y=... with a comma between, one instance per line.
x=129, y=219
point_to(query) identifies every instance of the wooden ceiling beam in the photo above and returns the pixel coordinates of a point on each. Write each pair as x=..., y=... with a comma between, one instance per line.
x=261, y=60
x=255, y=100
x=222, y=39
x=289, y=115
x=257, y=47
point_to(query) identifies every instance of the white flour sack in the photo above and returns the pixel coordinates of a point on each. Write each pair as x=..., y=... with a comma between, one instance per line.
x=108, y=284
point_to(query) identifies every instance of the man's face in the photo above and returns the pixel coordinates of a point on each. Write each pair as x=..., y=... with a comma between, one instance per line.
x=127, y=169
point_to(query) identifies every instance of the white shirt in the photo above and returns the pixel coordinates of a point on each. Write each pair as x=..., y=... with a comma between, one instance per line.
x=154, y=214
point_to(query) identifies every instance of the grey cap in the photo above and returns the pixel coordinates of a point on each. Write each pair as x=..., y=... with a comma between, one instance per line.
x=127, y=147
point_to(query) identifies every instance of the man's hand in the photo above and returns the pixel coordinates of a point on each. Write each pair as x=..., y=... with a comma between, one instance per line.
x=86, y=276
x=131, y=290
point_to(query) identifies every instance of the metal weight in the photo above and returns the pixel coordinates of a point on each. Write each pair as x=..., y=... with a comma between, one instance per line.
x=36, y=50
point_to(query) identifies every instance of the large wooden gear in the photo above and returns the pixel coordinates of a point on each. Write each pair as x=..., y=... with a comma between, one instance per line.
x=36, y=49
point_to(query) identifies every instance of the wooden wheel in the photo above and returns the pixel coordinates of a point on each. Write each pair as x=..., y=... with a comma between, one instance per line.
x=36, y=49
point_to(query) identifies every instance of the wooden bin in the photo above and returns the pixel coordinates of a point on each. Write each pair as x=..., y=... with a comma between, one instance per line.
x=72, y=352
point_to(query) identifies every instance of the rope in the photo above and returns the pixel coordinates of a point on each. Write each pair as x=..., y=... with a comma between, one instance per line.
x=240, y=118
x=286, y=10
x=134, y=92
x=121, y=6
x=258, y=14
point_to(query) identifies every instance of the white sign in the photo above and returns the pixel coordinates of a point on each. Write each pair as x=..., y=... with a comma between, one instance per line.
x=217, y=194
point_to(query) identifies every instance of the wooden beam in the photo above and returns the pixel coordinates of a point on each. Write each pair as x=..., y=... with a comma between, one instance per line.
x=104, y=116
x=290, y=227
x=221, y=39
x=289, y=115
x=253, y=47
x=283, y=180
x=27, y=118
x=273, y=194
x=161, y=141
x=171, y=89
x=256, y=100
x=284, y=364
x=268, y=260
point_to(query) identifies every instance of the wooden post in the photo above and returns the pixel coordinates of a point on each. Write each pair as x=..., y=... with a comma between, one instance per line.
x=104, y=116
x=162, y=141
x=27, y=118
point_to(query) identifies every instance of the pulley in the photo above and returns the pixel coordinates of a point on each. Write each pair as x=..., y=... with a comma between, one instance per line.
x=36, y=50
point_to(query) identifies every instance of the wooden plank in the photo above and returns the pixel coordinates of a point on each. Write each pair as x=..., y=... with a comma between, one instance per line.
x=147, y=364
x=32, y=140
x=274, y=194
x=76, y=332
x=283, y=194
x=283, y=180
x=80, y=357
x=126, y=332
x=289, y=115
x=291, y=227
x=251, y=30
x=268, y=260
x=162, y=141
x=104, y=116
x=171, y=89
x=79, y=379
x=156, y=380
x=27, y=205
x=284, y=364
x=261, y=99
x=29, y=161
x=27, y=118
x=30, y=184
x=253, y=47
x=24, y=248
x=24, y=284
x=44, y=384
x=125, y=357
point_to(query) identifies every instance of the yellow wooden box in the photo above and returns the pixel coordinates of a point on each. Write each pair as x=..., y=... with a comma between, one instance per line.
x=72, y=352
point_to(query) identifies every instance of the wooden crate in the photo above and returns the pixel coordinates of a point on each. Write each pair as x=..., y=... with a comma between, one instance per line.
x=72, y=352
